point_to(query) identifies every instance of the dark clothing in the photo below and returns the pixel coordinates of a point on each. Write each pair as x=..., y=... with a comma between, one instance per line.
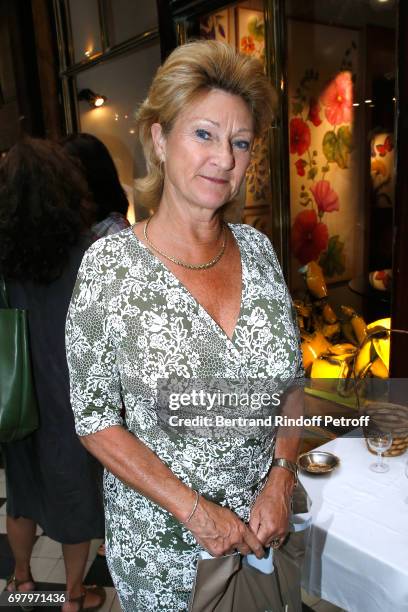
x=51, y=478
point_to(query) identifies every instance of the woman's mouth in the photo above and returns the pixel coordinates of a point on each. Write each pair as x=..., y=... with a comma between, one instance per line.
x=218, y=181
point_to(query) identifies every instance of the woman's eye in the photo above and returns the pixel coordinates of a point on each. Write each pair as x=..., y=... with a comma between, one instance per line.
x=203, y=134
x=242, y=144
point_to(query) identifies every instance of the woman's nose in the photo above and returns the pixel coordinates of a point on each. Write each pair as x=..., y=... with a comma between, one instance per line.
x=225, y=156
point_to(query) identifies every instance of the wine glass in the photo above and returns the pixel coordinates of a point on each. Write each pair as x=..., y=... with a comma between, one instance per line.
x=379, y=442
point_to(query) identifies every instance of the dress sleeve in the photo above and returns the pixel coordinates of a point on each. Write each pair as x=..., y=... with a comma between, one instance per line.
x=91, y=355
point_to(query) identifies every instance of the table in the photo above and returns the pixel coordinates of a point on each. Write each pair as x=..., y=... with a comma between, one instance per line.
x=357, y=551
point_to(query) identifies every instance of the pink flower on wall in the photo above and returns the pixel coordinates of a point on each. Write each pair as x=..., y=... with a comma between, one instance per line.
x=314, y=112
x=338, y=99
x=326, y=198
x=309, y=237
x=299, y=136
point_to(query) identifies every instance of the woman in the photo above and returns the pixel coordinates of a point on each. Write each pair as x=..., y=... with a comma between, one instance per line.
x=52, y=481
x=184, y=296
x=103, y=181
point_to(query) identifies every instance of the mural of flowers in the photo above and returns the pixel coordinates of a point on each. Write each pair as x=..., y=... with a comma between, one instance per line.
x=251, y=32
x=326, y=172
x=320, y=144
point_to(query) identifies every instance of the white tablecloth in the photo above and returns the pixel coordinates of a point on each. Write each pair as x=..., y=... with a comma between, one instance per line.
x=357, y=553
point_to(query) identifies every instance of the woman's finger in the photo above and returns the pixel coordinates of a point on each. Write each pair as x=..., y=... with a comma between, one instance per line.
x=254, y=543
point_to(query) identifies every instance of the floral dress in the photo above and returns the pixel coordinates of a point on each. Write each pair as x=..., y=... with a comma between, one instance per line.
x=132, y=323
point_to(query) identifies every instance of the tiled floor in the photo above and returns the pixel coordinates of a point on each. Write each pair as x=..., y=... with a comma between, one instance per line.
x=47, y=564
x=48, y=567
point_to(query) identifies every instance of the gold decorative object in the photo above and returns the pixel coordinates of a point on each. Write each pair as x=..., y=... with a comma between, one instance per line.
x=357, y=322
x=315, y=280
x=334, y=348
x=313, y=345
x=374, y=354
x=326, y=366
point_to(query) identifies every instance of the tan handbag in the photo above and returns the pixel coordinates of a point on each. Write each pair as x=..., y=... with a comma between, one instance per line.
x=227, y=584
x=288, y=559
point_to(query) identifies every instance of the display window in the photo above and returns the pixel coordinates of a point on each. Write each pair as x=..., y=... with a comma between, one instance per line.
x=321, y=183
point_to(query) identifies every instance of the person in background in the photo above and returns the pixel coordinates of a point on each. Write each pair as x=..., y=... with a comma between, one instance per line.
x=108, y=194
x=103, y=181
x=52, y=481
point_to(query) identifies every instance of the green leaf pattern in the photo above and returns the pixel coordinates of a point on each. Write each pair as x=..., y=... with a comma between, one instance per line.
x=333, y=261
x=337, y=147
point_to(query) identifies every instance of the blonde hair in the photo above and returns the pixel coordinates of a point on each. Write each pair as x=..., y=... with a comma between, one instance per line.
x=189, y=70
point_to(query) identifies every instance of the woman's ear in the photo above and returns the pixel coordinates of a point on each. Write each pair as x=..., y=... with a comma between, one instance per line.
x=159, y=141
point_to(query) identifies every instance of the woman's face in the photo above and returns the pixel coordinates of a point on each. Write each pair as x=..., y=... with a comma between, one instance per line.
x=208, y=150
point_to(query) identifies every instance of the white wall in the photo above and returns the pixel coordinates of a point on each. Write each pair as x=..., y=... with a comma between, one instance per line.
x=125, y=82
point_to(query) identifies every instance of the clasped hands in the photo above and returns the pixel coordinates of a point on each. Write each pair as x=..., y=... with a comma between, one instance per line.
x=221, y=532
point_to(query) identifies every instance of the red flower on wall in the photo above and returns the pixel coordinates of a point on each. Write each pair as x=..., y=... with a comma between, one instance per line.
x=300, y=167
x=314, y=112
x=326, y=198
x=247, y=44
x=309, y=236
x=299, y=136
x=338, y=99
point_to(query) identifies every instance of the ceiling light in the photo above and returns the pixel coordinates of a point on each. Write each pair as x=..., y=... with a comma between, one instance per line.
x=381, y=5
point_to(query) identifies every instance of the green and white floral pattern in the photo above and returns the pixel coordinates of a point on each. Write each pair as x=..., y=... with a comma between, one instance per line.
x=131, y=323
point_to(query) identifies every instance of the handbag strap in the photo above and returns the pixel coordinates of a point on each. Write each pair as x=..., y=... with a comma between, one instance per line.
x=4, y=303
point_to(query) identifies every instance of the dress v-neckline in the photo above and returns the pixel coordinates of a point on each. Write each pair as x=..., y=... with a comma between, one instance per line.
x=191, y=297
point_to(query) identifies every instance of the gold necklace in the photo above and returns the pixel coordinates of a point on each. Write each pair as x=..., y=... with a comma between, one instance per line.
x=203, y=266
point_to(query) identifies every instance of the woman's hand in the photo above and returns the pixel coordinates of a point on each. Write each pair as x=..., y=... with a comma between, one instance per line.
x=221, y=532
x=269, y=518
